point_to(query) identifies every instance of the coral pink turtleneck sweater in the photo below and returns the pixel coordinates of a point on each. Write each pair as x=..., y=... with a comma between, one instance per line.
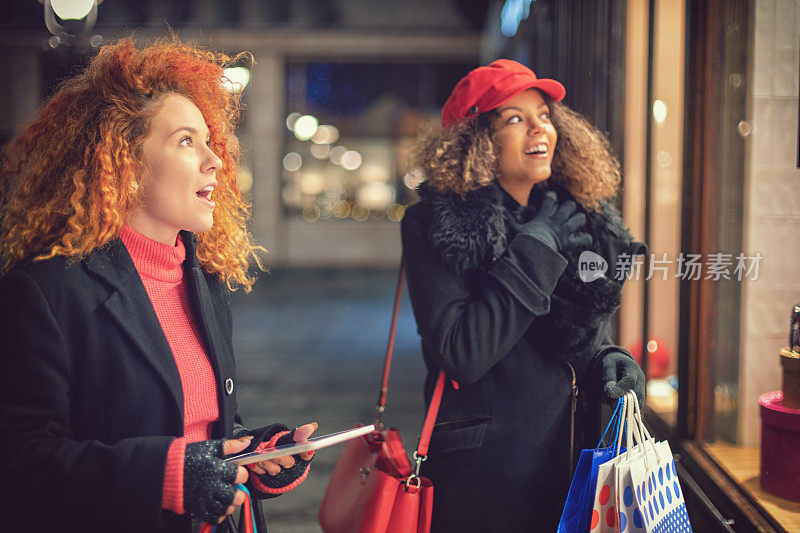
x=161, y=269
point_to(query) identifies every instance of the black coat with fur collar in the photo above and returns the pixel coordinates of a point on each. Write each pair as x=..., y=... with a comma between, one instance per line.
x=509, y=319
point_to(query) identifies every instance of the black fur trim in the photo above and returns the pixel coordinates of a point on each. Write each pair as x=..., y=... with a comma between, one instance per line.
x=468, y=233
x=471, y=233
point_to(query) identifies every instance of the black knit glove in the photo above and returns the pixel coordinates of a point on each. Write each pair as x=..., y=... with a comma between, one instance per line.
x=619, y=374
x=266, y=485
x=208, y=488
x=554, y=225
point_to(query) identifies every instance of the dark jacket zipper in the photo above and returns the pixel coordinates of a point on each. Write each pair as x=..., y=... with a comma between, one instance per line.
x=573, y=408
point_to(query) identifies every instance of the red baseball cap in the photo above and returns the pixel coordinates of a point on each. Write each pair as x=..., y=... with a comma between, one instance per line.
x=486, y=88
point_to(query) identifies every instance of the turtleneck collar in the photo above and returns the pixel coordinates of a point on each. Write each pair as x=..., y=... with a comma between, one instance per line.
x=154, y=259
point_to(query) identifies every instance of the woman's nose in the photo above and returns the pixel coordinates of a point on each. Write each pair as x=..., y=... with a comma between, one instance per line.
x=535, y=126
x=212, y=162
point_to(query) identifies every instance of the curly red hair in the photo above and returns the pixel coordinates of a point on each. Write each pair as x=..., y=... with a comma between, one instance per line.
x=70, y=178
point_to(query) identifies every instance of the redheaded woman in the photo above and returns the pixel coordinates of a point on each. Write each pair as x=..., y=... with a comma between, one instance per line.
x=122, y=233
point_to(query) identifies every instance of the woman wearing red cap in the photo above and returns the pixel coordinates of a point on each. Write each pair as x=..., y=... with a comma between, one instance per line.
x=122, y=232
x=517, y=186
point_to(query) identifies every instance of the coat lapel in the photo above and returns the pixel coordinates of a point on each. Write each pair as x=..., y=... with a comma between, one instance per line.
x=130, y=306
x=203, y=308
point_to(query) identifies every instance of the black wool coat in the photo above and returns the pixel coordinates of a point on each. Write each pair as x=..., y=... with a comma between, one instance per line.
x=91, y=398
x=509, y=320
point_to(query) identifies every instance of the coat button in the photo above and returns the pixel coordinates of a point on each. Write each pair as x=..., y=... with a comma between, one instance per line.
x=229, y=386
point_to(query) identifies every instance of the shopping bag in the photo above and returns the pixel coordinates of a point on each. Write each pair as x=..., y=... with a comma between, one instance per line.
x=657, y=490
x=578, y=506
x=642, y=448
x=604, y=508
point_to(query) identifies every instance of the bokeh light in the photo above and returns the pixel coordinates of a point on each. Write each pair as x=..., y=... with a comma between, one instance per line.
x=305, y=127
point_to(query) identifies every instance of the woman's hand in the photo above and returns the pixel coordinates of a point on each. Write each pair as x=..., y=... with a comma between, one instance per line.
x=619, y=374
x=556, y=226
x=273, y=466
x=208, y=482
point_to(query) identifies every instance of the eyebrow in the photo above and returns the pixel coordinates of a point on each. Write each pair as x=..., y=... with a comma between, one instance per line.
x=190, y=129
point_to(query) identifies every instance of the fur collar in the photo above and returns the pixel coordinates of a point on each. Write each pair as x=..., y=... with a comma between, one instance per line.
x=471, y=234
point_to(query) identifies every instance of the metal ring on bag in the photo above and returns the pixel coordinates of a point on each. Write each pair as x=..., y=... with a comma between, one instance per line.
x=413, y=476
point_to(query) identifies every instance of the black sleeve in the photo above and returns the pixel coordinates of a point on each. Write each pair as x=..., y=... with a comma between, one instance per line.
x=84, y=482
x=469, y=331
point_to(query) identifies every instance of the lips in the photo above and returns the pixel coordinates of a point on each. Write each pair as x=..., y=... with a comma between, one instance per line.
x=539, y=149
x=206, y=192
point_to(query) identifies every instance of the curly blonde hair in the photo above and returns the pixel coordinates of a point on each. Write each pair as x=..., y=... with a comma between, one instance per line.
x=463, y=158
x=70, y=179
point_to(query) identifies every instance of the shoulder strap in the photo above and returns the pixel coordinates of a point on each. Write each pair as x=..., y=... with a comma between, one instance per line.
x=433, y=408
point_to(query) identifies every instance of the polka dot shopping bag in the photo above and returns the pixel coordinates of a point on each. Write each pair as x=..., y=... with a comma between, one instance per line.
x=642, y=448
x=651, y=486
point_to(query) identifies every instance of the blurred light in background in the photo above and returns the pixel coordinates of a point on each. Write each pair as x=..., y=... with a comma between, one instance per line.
x=351, y=160
x=321, y=151
x=244, y=179
x=305, y=127
x=395, y=212
x=413, y=178
x=336, y=154
x=311, y=213
x=374, y=172
x=291, y=119
x=311, y=183
x=513, y=12
x=326, y=134
x=292, y=161
x=659, y=111
x=360, y=213
x=235, y=78
x=375, y=195
x=664, y=160
x=72, y=9
x=341, y=209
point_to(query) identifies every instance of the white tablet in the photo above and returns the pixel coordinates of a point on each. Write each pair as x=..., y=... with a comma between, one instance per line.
x=314, y=443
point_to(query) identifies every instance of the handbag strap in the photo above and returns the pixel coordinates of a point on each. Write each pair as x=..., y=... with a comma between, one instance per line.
x=421, y=453
x=387, y=361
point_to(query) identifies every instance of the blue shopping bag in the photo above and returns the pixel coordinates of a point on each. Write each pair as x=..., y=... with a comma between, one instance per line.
x=578, y=506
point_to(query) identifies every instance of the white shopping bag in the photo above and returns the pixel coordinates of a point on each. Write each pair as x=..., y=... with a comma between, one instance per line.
x=630, y=517
x=654, y=483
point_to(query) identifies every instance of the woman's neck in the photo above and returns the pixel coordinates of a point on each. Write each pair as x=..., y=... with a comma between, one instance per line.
x=520, y=192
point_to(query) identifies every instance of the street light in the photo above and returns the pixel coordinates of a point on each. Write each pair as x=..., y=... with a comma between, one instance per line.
x=78, y=16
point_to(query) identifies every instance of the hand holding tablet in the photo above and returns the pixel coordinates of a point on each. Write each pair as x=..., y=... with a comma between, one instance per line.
x=315, y=443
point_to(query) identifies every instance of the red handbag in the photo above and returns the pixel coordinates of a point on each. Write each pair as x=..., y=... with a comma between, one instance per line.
x=373, y=488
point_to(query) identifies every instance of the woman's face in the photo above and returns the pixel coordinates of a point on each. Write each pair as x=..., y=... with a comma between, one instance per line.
x=526, y=138
x=180, y=169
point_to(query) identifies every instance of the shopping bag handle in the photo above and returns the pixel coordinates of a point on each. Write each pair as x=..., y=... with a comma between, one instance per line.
x=247, y=516
x=622, y=425
x=611, y=421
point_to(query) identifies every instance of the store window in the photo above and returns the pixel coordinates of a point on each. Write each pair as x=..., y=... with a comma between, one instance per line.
x=652, y=196
x=348, y=131
x=707, y=195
